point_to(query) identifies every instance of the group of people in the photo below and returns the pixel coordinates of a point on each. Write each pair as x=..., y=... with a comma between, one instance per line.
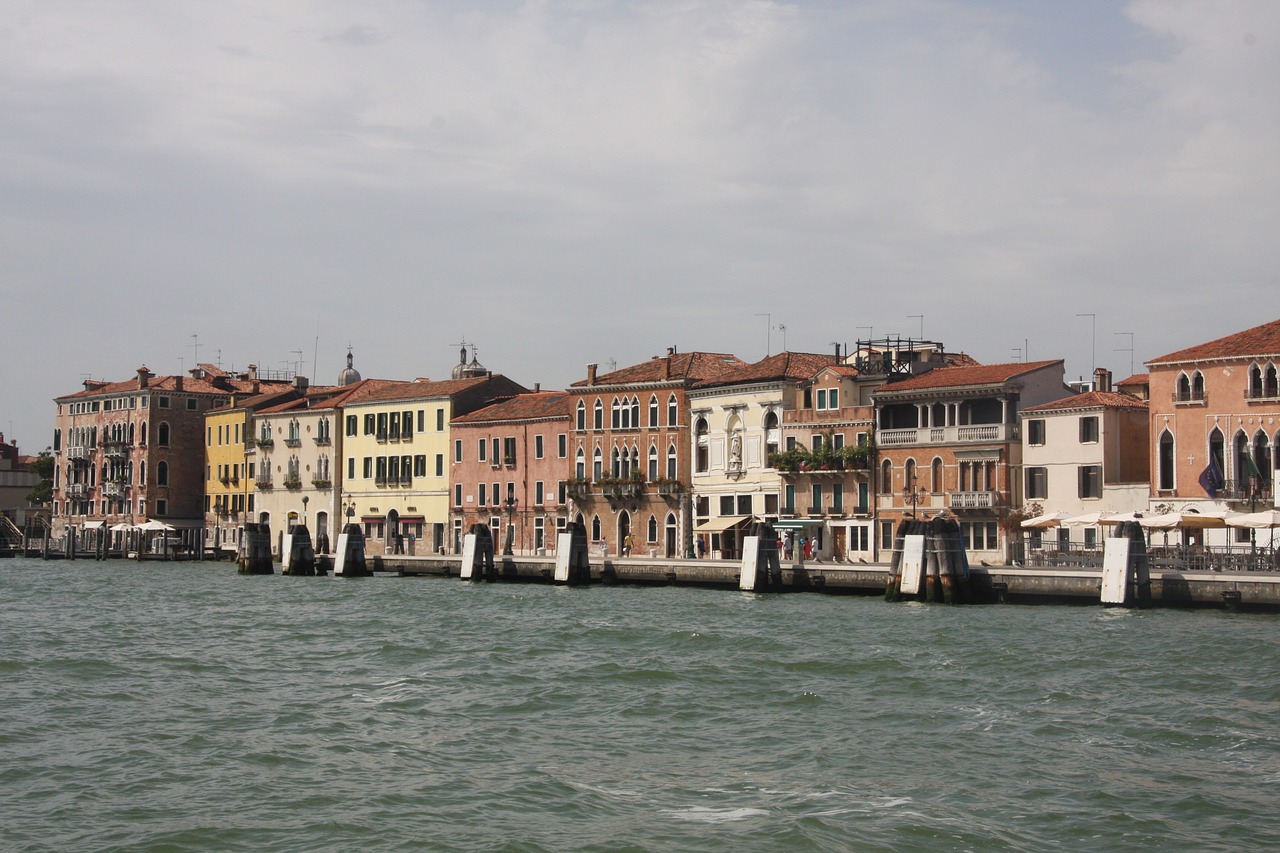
x=802, y=546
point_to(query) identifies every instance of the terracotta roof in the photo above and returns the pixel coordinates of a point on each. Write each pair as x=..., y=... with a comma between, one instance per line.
x=386, y=390
x=541, y=405
x=1091, y=400
x=1135, y=379
x=959, y=359
x=1259, y=341
x=784, y=365
x=966, y=375
x=685, y=366
x=161, y=384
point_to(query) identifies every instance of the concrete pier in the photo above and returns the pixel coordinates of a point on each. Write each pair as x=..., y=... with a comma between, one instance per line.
x=988, y=584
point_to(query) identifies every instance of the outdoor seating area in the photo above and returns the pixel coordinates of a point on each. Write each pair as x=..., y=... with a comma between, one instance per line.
x=1176, y=541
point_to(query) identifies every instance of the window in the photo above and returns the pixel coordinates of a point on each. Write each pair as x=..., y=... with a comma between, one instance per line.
x=744, y=505
x=599, y=416
x=673, y=411
x=582, y=415
x=815, y=504
x=1089, y=430
x=482, y=448
x=1035, y=431
x=191, y=404
x=162, y=435
x=1037, y=483
x=1090, y=481
x=726, y=504
x=457, y=450
x=562, y=446
x=368, y=467
x=537, y=493
x=482, y=494
x=822, y=398
x=439, y=464
x=1165, y=473
x=653, y=411
x=162, y=473
x=352, y=422
x=457, y=494
x=351, y=468
x=509, y=450
x=439, y=420
x=420, y=465
x=537, y=447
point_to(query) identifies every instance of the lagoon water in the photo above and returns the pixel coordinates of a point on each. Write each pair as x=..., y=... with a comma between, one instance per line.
x=183, y=707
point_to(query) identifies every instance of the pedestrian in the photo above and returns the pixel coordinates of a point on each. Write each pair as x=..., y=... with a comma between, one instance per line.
x=627, y=544
x=700, y=545
x=604, y=547
x=786, y=545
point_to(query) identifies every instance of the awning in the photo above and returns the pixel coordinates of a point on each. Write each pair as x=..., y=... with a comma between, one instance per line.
x=724, y=522
x=92, y=525
x=792, y=524
x=374, y=519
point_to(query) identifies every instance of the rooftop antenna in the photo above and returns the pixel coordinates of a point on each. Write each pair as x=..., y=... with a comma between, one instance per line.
x=195, y=344
x=768, y=334
x=1017, y=351
x=613, y=364
x=782, y=327
x=297, y=364
x=219, y=351
x=871, y=331
x=1128, y=349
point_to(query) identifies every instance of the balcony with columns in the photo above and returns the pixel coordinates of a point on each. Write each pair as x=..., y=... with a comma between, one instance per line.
x=986, y=420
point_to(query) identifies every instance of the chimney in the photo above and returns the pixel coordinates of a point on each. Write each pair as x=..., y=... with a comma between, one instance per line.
x=537, y=387
x=177, y=383
x=666, y=368
x=591, y=374
x=1102, y=379
x=253, y=373
x=143, y=376
x=837, y=353
x=300, y=382
x=671, y=351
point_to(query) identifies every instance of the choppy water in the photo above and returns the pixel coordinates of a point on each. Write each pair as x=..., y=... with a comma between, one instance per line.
x=184, y=707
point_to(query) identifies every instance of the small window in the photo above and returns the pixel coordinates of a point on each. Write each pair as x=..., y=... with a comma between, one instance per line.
x=1037, y=483
x=191, y=404
x=1035, y=432
x=1089, y=430
x=1090, y=481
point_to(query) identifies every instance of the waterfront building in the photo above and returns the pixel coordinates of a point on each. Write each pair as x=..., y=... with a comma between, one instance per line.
x=17, y=480
x=1215, y=424
x=509, y=466
x=395, y=442
x=826, y=450
x=230, y=445
x=630, y=445
x=133, y=451
x=737, y=433
x=1084, y=454
x=947, y=441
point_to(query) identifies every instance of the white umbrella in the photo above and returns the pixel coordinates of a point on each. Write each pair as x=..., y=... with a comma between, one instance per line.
x=154, y=524
x=1049, y=519
x=121, y=527
x=1089, y=519
x=1256, y=520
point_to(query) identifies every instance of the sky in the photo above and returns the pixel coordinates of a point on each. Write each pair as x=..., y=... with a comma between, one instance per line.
x=565, y=183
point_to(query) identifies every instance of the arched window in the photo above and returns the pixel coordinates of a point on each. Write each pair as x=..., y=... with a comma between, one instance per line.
x=615, y=467
x=582, y=415
x=653, y=411
x=597, y=465
x=886, y=477
x=673, y=411
x=1197, y=386
x=595, y=528
x=144, y=433
x=162, y=434
x=672, y=472
x=1165, y=462
x=1261, y=459
x=936, y=476
x=909, y=476
x=1183, y=391
x=580, y=465
x=616, y=414
x=635, y=412
x=599, y=415
x=653, y=462
x=635, y=460
x=1255, y=381
x=1270, y=385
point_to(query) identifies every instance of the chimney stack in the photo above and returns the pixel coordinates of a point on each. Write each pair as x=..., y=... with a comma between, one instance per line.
x=143, y=376
x=300, y=382
x=1101, y=379
x=666, y=367
x=591, y=374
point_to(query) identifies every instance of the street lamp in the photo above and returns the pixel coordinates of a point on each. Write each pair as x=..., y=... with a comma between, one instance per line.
x=910, y=492
x=349, y=505
x=304, y=510
x=510, y=503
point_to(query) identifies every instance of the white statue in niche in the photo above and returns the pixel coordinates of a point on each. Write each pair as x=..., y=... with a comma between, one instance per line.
x=735, y=453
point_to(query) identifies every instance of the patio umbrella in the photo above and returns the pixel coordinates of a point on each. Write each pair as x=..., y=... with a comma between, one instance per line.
x=153, y=525
x=1207, y=518
x=1256, y=520
x=121, y=527
x=1089, y=519
x=1049, y=519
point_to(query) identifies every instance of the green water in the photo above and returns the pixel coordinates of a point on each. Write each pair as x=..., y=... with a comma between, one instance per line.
x=176, y=707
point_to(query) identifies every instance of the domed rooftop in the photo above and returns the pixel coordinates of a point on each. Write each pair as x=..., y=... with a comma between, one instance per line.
x=463, y=370
x=349, y=375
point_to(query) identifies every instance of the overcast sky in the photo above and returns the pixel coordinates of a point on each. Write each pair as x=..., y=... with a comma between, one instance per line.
x=572, y=182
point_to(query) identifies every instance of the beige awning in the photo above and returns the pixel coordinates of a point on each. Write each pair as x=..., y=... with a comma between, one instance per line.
x=724, y=522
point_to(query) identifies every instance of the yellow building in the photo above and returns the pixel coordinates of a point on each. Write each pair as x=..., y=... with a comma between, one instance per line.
x=395, y=457
x=230, y=456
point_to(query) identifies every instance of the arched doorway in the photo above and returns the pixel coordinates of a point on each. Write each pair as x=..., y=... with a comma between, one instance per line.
x=670, y=545
x=394, y=540
x=624, y=530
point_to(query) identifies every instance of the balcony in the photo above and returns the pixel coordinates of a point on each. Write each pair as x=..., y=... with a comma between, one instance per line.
x=322, y=440
x=266, y=441
x=321, y=482
x=78, y=454
x=381, y=436
x=263, y=483
x=293, y=441
x=1193, y=397
x=113, y=490
x=406, y=479
x=380, y=479
x=116, y=450
x=969, y=434
x=973, y=500
x=292, y=483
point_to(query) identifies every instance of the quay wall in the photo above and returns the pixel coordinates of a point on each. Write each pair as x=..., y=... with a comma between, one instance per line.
x=988, y=583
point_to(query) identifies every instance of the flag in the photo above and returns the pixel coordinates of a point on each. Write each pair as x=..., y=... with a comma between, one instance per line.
x=1250, y=467
x=1211, y=479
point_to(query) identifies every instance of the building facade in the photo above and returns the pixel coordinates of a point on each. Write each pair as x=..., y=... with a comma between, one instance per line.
x=509, y=467
x=630, y=446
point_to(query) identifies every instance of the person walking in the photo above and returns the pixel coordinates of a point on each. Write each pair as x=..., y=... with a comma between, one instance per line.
x=627, y=544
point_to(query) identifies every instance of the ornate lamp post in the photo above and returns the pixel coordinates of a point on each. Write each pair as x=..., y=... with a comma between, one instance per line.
x=510, y=503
